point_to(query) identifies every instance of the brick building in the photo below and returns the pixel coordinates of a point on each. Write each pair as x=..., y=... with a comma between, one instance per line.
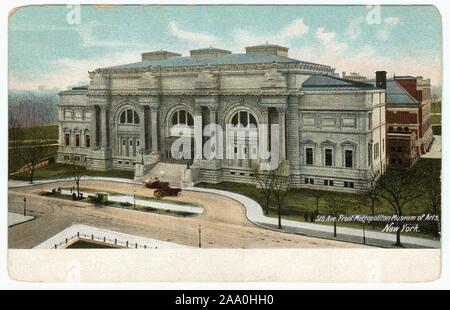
x=408, y=120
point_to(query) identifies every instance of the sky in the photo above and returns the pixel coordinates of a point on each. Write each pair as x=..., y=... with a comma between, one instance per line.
x=54, y=46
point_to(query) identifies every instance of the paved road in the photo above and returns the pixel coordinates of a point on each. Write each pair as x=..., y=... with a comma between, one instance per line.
x=223, y=222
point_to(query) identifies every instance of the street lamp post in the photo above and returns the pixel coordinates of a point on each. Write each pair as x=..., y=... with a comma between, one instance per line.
x=24, y=206
x=199, y=236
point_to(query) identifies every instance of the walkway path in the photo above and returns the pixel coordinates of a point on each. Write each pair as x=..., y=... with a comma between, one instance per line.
x=17, y=218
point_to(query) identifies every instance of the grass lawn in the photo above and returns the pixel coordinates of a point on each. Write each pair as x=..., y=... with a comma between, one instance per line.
x=436, y=107
x=30, y=136
x=83, y=244
x=17, y=161
x=436, y=119
x=55, y=171
x=47, y=132
x=437, y=130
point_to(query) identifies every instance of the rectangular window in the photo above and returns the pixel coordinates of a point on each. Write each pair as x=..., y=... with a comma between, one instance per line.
x=369, y=117
x=331, y=182
x=369, y=154
x=345, y=184
x=88, y=141
x=348, y=159
x=311, y=181
x=67, y=138
x=77, y=140
x=325, y=182
x=351, y=184
x=306, y=181
x=376, y=150
x=328, y=157
x=309, y=156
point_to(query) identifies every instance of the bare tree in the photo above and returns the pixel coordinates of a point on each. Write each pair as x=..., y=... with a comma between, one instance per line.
x=317, y=194
x=363, y=202
x=30, y=155
x=430, y=181
x=265, y=179
x=336, y=207
x=78, y=171
x=369, y=195
x=399, y=189
x=281, y=187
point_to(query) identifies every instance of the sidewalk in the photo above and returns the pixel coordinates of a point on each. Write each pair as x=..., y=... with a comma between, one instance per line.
x=255, y=215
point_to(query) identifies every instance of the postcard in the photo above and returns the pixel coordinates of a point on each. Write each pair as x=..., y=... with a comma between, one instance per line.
x=245, y=143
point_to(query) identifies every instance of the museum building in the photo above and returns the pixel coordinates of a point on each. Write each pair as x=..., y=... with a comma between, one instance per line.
x=331, y=131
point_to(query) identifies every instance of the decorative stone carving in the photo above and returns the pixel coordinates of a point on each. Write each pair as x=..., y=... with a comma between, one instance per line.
x=206, y=80
x=149, y=81
x=274, y=79
x=99, y=81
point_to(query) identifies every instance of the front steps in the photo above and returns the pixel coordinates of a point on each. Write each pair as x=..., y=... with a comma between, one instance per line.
x=167, y=172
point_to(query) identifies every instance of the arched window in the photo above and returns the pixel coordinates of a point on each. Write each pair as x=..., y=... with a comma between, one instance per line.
x=129, y=116
x=182, y=117
x=243, y=119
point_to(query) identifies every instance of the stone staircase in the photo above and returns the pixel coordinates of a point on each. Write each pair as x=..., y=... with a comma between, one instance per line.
x=167, y=172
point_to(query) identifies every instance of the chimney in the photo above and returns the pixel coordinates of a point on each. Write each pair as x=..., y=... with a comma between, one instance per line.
x=158, y=55
x=381, y=79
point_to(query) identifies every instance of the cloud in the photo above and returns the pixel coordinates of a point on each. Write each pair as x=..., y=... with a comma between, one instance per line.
x=354, y=28
x=86, y=32
x=295, y=29
x=387, y=25
x=195, y=38
x=328, y=41
x=70, y=71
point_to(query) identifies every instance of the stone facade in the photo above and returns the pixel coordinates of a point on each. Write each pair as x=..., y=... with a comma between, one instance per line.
x=332, y=131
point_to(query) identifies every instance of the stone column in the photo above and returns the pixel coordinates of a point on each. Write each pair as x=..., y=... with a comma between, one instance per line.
x=93, y=128
x=143, y=143
x=154, y=121
x=213, y=122
x=104, y=128
x=61, y=134
x=198, y=134
x=282, y=128
x=293, y=145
